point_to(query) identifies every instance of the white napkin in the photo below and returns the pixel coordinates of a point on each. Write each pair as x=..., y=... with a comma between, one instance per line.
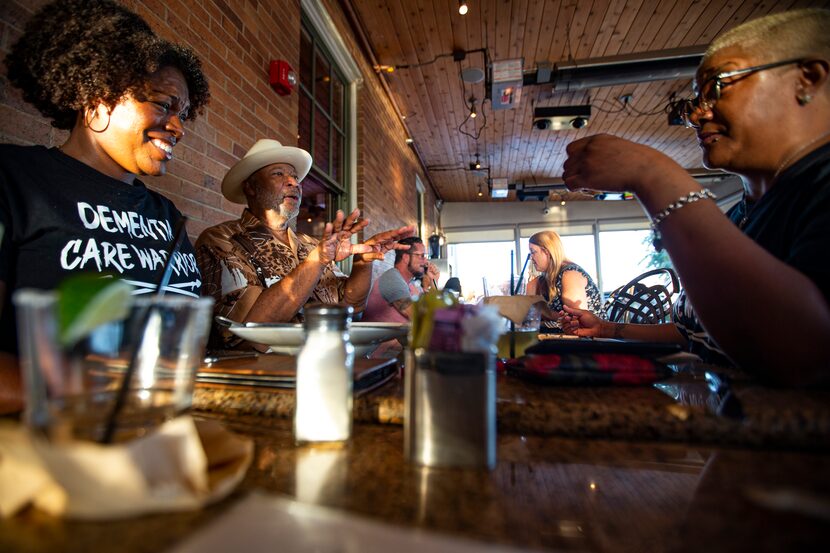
x=182, y=465
x=514, y=308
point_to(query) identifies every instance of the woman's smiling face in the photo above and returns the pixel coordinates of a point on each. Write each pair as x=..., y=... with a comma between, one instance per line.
x=745, y=129
x=139, y=134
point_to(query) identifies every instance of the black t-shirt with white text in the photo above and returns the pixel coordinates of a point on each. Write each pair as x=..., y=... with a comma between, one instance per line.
x=61, y=216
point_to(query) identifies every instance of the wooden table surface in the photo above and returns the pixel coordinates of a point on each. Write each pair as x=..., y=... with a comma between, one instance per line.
x=579, y=469
x=546, y=493
x=671, y=410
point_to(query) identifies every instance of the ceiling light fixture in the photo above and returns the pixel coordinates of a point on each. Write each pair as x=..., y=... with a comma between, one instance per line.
x=409, y=141
x=560, y=118
x=478, y=162
x=462, y=7
x=480, y=193
x=472, y=75
x=473, y=107
x=562, y=202
x=498, y=187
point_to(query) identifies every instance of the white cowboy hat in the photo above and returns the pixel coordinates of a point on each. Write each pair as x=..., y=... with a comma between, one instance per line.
x=264, y=152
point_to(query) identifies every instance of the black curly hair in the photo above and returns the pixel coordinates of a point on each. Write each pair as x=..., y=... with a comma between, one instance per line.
x=75, y=54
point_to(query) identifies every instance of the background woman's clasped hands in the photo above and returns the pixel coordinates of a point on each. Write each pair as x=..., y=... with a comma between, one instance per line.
x=580, y=322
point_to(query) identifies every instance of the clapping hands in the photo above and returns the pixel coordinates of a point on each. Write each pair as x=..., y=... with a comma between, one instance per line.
x=336, y=244
x=375, y=248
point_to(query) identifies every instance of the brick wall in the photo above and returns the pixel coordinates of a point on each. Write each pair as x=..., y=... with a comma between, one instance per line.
x=235, y=40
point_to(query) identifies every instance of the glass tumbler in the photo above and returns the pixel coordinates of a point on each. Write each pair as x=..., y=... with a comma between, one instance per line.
x=70, y=392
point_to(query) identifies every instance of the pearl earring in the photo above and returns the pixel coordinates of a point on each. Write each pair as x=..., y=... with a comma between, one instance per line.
x=804, y=99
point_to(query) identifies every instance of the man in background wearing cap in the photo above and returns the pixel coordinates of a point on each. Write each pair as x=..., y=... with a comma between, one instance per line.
x=258, y=269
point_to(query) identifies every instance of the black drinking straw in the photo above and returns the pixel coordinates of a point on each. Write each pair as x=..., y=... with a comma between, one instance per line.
x=521, y=276
x=163, y=281
x=512, y=293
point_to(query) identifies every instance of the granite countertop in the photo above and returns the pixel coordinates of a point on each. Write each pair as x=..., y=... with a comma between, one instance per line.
x=545, y=493
x=672, y=410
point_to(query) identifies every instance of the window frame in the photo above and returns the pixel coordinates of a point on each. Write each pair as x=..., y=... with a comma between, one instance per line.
x=338, y=184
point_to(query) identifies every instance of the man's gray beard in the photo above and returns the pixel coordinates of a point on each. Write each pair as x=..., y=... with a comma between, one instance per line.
x=289, y=213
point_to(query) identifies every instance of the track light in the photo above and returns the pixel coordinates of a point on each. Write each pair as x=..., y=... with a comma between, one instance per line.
x=462, y=7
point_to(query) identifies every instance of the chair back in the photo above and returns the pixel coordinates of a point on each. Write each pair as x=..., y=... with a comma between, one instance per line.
x=453, y=283
x=639, y=303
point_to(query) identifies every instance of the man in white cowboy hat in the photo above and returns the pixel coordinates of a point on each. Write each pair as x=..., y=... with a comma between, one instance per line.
x=258, y=269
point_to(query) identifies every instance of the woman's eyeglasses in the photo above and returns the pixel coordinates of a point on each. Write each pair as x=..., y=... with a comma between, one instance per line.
x=709, y=92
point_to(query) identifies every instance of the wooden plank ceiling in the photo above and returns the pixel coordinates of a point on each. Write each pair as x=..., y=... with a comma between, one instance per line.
x=431, y=95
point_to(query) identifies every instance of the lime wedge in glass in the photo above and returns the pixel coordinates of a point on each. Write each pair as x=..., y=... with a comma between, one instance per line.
x=86, y=301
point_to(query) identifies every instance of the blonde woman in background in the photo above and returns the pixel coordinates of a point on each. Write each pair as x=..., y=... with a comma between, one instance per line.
x=561, y=282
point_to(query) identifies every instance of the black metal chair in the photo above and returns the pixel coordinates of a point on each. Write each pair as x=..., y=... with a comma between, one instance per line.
x=637, y=302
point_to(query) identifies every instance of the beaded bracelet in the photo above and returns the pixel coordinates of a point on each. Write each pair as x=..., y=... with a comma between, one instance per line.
x=682, y=201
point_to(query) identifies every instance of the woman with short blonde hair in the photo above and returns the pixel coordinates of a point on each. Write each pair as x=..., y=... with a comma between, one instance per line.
x=757, y=280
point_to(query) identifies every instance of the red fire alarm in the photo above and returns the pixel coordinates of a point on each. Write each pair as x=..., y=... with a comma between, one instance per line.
x=282, y=77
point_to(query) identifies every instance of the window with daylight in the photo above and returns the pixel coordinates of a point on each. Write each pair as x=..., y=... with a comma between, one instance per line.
x=481, y=258
x=624, y=255
x=321, y=131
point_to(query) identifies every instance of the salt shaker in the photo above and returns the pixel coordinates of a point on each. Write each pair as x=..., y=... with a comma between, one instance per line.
x=323, y=411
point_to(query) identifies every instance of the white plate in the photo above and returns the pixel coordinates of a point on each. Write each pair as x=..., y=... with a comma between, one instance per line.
x=288, y=338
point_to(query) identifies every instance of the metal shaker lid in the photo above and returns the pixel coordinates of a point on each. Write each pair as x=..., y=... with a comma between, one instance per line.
x=321, y=316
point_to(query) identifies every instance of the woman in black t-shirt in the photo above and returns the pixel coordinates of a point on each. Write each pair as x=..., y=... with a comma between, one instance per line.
x=95, y=69
x=758, y=288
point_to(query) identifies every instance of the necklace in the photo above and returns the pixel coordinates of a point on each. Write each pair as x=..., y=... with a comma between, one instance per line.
x=790, y=158
x=746, y=208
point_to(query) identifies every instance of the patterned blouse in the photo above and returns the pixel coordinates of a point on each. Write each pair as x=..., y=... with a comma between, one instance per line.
x=239, y=259
x=591, y=291
x=700, y=343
